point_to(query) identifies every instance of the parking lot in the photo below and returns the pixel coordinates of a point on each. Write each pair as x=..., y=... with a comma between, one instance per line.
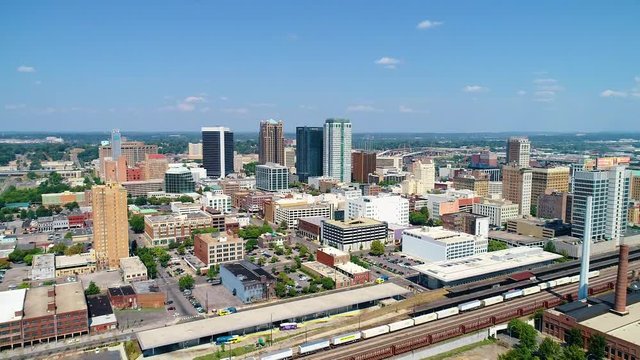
x=215, y=297
x=396, y=263
x=132, y=318
x=15, y=276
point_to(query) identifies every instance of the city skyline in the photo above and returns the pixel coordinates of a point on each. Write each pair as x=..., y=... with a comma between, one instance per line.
x=431, y=67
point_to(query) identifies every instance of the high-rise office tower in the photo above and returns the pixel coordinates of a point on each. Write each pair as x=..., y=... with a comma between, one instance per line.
x=336, y=161
x=424, y=173
x=116, y=144
x=545, y=179
x=217, y=151
x=271, y=142
x=610, y=192
x=363, y=163
x=110, y=224
x=516, y=187
x=518, y=151
x=309, y=152
x=179, y=180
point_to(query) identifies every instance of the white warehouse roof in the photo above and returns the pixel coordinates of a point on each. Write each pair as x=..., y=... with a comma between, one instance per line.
x=486, y=263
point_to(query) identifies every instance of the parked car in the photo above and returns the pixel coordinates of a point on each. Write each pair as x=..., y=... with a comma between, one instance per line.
x=171, y=308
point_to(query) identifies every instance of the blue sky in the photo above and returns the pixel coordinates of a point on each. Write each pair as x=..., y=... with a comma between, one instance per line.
x=424, y=66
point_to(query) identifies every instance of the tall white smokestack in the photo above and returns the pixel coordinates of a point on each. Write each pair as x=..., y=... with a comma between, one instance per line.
x=583, y=289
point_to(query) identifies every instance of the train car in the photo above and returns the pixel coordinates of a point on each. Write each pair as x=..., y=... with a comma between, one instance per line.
x=530, y=290
x=563, y=281
x=447, y=312
x=492, y=300
x=313, y=346
x=512, y=294
x=575, y=279
x=543, y=286
x=423, y=319
x=288, y=326
x=399, y=325
x=346, y=338
x=278, y=355
x=373, y=332
x=470, y=305
x=594, y=273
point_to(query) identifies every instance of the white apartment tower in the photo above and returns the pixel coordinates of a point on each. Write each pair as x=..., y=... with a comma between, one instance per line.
x=424, y=173
x=391, y=209
x=337, y=149
x=610, y=192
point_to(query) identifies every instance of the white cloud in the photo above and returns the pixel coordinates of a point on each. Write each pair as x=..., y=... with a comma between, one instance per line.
x=26, y=69
x=405, y=109
x=613, y=93
x=263, y=105
x=637, y=79
x=307, y=107
x=14, y=106
x=224, y=98
x=205, y=109
x=475, y=89
x=194, y=99
x=521, y=93
x=362, y=108
x=388, y=62
x=545, y=81
x=38, y=82
x=428, y=24
x=545, y=89
x=236, y=110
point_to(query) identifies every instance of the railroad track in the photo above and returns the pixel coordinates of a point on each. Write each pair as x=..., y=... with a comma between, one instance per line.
x=380, y=347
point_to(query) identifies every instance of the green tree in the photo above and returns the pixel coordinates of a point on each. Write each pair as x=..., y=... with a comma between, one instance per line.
x=92, y=289
x=273, y=260
x=74, y=249
x=250, y=168
x=377, y=248
x=303, y=250
x=140, y=201
x=550, y=246
x=298, y=262
x=597, y=344
x=186, y=282
x=28, y=259
x=58, y=249
x=417, y=218
x=43, y=211
x=262, y=261
x=68, y=235
x=495, y=245
x=213, y=271
x=283, y=226
x=185, y=199
x=137, y=223
x=292, y=292
x=250, y=244
x=549, y=350
x=72, y=205
x=525, y=333
x=574, y=337
x=279, y=251
x=32, y=175
x=327, y=283
x=573, y=352
x=164, y=259
x=181, y=249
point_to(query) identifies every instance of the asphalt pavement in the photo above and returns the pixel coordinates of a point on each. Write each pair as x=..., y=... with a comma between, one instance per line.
x=170, y=286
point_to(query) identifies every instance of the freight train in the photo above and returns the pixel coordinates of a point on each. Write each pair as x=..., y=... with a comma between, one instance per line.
x=440, y=335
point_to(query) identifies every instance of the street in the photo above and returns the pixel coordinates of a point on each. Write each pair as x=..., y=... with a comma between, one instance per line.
x=170, y=286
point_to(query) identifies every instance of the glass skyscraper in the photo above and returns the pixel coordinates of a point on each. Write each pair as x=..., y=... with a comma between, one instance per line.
x=308, y=152
x=217, y=151
x=336, y=158
x=179, y=181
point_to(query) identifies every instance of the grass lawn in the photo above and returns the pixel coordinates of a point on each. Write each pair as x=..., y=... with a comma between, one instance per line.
x=460, y=350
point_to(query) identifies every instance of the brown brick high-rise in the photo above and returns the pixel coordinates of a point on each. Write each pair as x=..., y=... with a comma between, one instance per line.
x=362, y=164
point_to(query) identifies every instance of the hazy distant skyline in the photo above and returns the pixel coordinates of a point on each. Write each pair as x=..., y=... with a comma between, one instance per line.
x=394, y=66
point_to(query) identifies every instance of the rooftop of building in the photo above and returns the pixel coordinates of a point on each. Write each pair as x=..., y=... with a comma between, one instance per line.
x=43, y=261
x=326, y=271
x=283, y=311
x=132, y=264
x=219, y=238
x=126, y=290
x=497, y=202
x=315, y=220
x=70, y=297
x=68, y=261
x=12, y=305
x=271, y=165
x=178, y=170
x=145, y=287
x=440, y=234
x=36, y=301
x=595, y=314
x=247, y=272
x=338, y=121
x=486, y=263
x=465, y=214
x=352, y=268
x=507, y=236
x=332, y=251
x=353, y=223
x=99, y=305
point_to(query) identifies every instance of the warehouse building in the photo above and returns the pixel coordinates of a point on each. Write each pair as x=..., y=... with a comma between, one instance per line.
x=482, y=266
